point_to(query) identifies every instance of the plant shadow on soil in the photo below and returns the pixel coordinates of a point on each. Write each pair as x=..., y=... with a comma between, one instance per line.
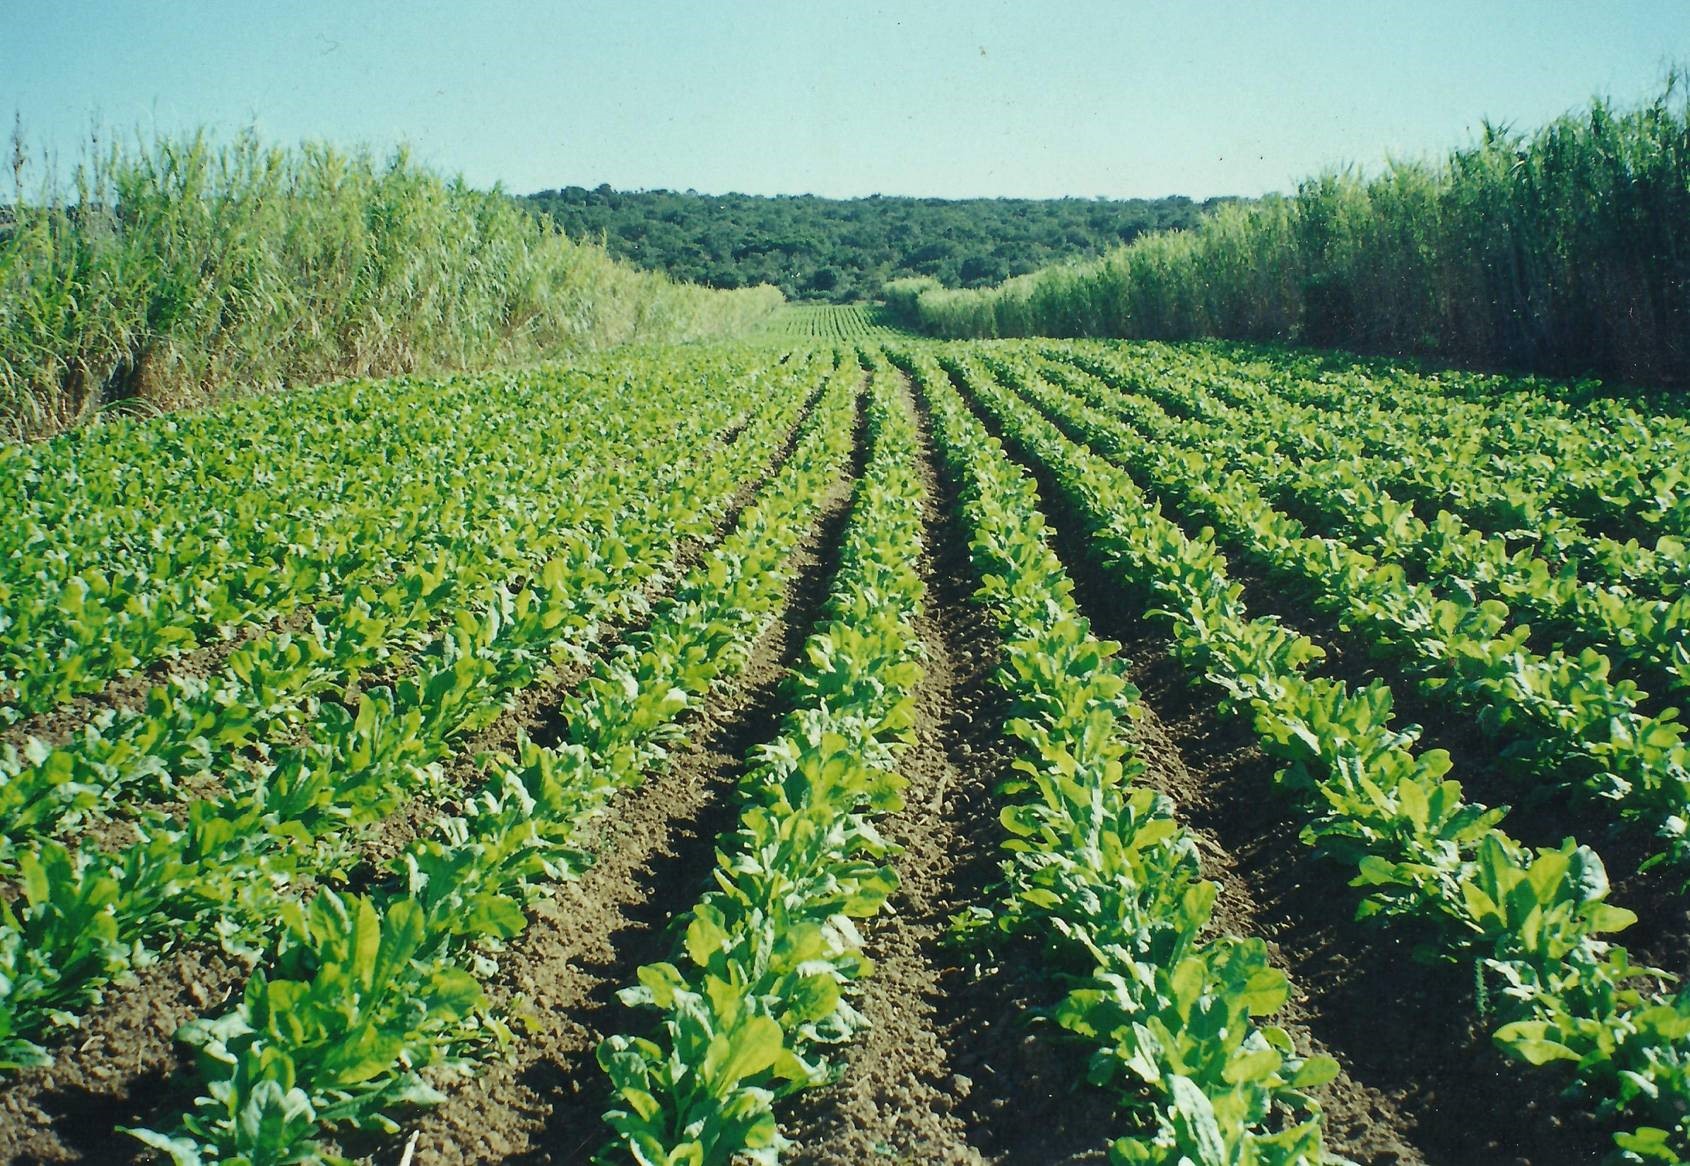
x=1422, y=1081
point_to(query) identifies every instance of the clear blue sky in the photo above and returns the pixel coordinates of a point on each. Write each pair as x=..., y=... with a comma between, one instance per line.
x=1037, y=98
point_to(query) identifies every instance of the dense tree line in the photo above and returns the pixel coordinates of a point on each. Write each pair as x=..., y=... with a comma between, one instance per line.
x=844, y=249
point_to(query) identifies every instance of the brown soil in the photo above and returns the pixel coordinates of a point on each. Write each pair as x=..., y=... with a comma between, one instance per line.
x=955, y=1067
x=654, y=852
x=119, y=1069
x=1421, y=1081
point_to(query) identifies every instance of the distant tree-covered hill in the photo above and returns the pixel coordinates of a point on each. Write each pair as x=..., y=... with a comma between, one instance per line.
x=843, y=249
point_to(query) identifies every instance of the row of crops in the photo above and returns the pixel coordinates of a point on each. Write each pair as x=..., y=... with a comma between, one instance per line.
x=1535, y=924
x=345, y=687
x=832, y=323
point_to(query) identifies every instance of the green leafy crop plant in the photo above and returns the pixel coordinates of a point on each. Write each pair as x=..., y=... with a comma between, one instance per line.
x=1521, y=449
x=1645, y=639
x=270, y=688
x=1532, y=923
x=1099, y=870
x=222, y=866
x=1565, y=720
x=827, y=323
x=758, y=991
x=1462, y=462
x=270, y=1085
x=157, y=538
x=350, y=591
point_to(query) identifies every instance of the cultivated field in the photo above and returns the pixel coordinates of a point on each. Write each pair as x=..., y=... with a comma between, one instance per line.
x=847, y=323
x=848, y=748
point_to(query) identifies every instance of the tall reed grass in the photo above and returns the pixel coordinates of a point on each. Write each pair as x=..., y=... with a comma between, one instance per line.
x=1564, y=251
x=175, y=270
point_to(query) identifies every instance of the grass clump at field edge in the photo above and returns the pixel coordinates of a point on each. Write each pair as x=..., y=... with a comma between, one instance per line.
x=176, y=268
x=1564, y=251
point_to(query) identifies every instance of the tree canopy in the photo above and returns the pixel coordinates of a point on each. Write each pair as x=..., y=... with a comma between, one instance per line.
x=842, y=250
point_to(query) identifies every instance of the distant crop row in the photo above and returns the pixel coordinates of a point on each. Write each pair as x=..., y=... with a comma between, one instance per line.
x=844, y=323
